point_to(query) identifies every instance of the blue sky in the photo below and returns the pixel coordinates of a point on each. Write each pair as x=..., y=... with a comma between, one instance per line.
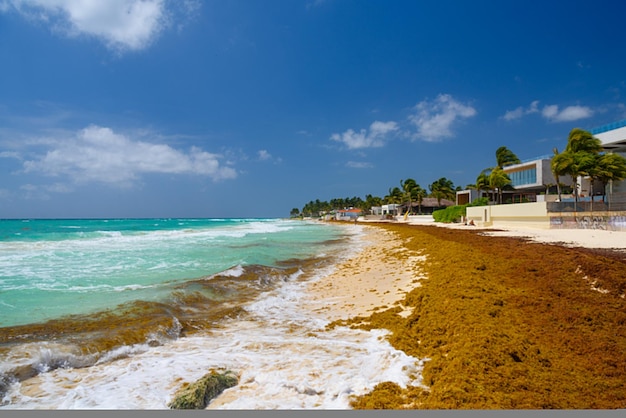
x=159, y=108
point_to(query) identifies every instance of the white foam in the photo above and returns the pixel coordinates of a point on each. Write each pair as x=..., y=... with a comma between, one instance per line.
x=236, y=271
x=281, y=351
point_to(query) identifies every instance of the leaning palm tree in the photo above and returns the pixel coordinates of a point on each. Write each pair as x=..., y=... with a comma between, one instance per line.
x=580, y=140
x=505, y=157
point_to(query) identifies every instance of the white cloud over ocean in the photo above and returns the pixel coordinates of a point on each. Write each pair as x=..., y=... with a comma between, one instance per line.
x=122, y=25
x=98, y=154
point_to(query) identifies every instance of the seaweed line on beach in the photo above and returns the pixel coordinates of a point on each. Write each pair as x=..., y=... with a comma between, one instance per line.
x=506, y=323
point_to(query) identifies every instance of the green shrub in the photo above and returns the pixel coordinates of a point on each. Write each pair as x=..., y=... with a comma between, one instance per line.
x=449, y=214
x=455, y=213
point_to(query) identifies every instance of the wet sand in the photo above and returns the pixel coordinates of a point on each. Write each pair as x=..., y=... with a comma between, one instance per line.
x=375, y=278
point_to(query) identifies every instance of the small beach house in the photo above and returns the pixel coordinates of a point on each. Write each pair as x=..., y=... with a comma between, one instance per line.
x=347, y=214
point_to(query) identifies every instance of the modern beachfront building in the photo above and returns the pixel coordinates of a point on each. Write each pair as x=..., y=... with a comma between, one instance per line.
x=581, y=212
x=613, y=138
x=532, y=180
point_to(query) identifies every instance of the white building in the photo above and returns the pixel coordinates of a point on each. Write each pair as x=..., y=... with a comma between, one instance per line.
x=613, y=138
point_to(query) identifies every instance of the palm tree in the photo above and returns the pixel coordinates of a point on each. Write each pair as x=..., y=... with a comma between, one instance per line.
x=609, y=167
x=371, y=201
x=580, y=140
x=557, y=170
x=579, y=157
x=505, y=156
x=395, y=196
x=409, y=186
x=498, y=179
x=482, y=181
x=420, y=194
x=442, y=189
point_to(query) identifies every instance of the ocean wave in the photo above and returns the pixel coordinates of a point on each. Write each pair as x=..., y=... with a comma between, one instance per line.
x=24, y=361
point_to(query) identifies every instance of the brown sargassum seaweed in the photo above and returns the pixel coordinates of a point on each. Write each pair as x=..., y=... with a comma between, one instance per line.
x=507, y=323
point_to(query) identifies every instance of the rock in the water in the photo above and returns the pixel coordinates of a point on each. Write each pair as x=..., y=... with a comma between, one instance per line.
x=197, y=395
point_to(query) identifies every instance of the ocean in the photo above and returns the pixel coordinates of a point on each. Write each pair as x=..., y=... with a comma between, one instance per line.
x=120, y=313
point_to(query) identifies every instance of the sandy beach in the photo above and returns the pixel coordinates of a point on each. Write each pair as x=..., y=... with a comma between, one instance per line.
x=503, y=314
x=374, y=279
x=585, y=238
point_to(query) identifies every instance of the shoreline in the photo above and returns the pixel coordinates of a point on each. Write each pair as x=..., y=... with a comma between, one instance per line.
x=373, y=279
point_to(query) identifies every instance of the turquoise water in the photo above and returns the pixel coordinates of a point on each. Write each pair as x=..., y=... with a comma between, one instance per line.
x=52, y=268
x=120, y=313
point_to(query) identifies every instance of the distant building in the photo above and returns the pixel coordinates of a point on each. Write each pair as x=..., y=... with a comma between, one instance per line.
x=347, y=214
x=376, y=210
x=391, y=209
x=427, y=206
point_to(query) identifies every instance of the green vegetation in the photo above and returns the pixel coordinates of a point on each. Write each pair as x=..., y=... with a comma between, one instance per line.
x=197, y=395
x=455, y=213
x=408, y=192
x=442, y=189
x=543, y=329
x=449, y=214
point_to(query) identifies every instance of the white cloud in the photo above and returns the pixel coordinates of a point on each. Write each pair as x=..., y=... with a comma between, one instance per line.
x=568, y=114
x=10, y=154
x=121, y=24
x=372, y=138
x=550, y=112
x=359, y=164
x=97, y=154
x=264, y=155
x=434, y=119
x=521, y=111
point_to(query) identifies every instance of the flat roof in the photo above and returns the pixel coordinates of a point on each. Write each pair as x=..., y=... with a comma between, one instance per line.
x=613, y=139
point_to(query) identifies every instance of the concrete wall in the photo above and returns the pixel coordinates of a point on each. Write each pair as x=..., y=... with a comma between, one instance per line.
x=536, y=215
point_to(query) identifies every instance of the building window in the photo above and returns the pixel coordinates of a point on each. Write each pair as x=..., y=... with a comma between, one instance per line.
x=523, y=177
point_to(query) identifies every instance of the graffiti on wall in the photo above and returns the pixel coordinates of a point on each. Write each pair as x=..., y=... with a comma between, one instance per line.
x=607, y=223
x=592, y=222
